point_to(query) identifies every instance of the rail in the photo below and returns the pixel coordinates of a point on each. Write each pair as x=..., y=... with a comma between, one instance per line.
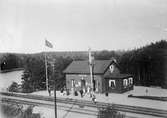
x=98, y=105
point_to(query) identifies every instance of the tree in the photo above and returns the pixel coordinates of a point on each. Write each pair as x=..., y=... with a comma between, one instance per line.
x=106, y=55
x=60, y=64
x=146, y=64
x=13, y=87
x=34, y=77
x=34, y=74
x=9, y=61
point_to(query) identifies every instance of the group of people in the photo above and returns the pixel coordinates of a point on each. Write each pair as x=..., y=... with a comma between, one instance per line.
x=82, y=93
x=64, y=91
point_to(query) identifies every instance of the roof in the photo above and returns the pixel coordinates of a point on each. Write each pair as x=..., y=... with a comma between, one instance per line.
x=82, y=67
x=117, y=76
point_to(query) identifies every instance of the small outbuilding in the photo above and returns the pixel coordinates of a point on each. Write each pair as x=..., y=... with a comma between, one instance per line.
x=106, y=75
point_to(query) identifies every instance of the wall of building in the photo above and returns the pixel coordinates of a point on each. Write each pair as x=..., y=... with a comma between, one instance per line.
x=101, y=83
x=99, y=79
x=78, y=77
x=129, y=86
x=119, y=86
x=115, y=70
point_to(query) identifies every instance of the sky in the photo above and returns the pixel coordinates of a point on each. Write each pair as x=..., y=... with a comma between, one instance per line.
x=76, y=25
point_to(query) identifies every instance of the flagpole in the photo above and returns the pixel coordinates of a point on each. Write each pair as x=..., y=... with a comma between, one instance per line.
x=48, y=44
x=46, y=71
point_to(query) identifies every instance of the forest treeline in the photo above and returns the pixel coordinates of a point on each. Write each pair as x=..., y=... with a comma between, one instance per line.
x=147, y=64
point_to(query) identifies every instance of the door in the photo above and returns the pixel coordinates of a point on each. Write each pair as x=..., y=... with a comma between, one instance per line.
x=83, y=83
x=72, y=83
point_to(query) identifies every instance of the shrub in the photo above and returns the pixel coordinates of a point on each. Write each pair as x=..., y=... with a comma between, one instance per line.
x=14, y=87
x=109, y=112
x=16, y=111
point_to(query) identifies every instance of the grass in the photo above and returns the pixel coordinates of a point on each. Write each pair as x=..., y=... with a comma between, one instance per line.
x=17, y=111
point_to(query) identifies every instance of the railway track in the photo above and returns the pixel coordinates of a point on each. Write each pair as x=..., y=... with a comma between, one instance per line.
x=60, y=107
x=98, y=105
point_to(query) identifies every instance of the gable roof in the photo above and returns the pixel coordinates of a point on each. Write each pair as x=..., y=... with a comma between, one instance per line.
x=82, y=67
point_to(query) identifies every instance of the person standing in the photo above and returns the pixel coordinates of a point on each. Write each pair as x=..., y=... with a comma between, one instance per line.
x=81, y=92
x=146, y=91
x=94, y=98
x=49, y=90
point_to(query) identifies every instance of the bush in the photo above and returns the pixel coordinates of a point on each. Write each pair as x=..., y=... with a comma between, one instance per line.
x=14, y=87
x=16, y=111
x=109, y=112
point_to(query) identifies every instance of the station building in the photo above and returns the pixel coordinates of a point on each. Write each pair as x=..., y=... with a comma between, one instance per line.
x=106, y=76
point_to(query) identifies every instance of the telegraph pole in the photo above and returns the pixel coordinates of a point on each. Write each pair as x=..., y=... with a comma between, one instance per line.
x=46, y=72
x=91, y=67
x=55, y=102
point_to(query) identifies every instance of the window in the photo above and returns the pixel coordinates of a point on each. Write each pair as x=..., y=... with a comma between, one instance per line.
x=83, y=83
x=112, y=84
x=125, y=83
x=130, y=80
x=111, y=68
x=73, y=83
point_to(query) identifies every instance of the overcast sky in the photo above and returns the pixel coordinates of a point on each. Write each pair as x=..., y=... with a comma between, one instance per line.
x=75, y=25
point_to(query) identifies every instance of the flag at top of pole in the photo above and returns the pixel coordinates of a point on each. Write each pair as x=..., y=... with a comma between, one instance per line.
x=48, y=44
